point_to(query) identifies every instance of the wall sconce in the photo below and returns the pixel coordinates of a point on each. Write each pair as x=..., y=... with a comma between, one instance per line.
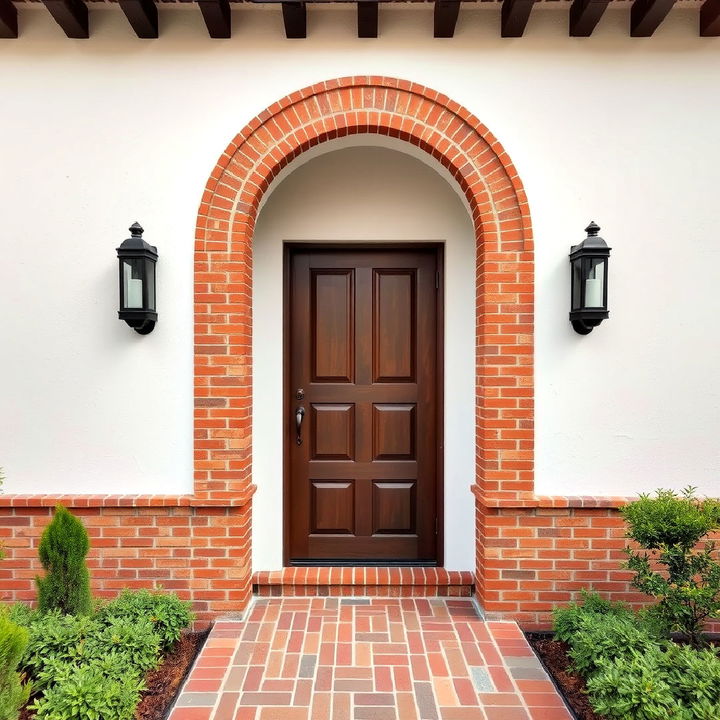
x=137, y=282
x=589, y=272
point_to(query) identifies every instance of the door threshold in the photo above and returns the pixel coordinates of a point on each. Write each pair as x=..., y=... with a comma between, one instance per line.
x=363, y=563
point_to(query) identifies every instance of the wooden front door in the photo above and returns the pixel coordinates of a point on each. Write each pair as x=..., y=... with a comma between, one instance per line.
x=362, y=422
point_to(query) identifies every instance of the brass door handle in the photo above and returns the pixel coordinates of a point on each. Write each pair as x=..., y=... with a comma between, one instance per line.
x=299, y=415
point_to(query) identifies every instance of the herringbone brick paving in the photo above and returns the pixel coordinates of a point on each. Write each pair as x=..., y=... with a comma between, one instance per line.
x=329, y=658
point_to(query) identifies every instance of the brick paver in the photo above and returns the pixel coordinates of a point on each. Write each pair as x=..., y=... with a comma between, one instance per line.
x=329, y=658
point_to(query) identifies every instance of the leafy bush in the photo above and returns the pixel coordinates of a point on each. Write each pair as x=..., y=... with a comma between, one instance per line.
x=63, y=547
x=168, y=614
x=21, y=614
x=87, y=693
x=132, y=639
x=629, y=687
x=567, y=620
x=687, y=584
x=694, y=676
x=602, y=638
x=13, y=693
x=55, y=637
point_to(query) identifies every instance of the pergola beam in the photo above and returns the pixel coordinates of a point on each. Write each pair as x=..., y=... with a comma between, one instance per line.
x=142, y=16
x=367, y=18
x=71, y=16
x=585, y=15
x=216, y=14
x=646, y=16
x=710, y=19
x=515, y=16
x=446, y=15
x=8, y=20
x=295, y=19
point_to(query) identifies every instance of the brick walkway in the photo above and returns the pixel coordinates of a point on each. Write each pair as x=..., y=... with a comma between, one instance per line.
x=367, y=659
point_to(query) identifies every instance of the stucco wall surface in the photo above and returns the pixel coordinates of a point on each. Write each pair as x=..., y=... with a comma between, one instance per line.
x=101, y=132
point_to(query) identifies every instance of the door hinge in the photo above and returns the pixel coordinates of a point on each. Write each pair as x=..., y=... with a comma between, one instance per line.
x=437, y=279
x=436, y=525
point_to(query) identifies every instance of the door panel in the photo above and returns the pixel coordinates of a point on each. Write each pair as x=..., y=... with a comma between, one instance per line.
x=362, y=358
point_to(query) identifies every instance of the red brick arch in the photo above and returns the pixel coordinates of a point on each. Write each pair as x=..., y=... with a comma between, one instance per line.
x=223, y=273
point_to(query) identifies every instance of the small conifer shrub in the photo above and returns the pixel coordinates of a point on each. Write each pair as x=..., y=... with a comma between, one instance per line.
x=13, y=693
x=63, y=547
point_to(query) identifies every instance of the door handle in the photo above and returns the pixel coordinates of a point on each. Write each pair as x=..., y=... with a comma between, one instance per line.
x=299, y=415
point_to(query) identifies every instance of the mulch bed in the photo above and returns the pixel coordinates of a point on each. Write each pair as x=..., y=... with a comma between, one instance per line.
x=554, y=655
x=164, y=683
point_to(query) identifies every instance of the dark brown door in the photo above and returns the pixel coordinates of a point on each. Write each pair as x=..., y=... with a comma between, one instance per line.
x=363, y=375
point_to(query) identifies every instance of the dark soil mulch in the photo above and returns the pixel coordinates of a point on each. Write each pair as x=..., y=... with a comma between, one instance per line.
x=164, y=683
x=554, y=655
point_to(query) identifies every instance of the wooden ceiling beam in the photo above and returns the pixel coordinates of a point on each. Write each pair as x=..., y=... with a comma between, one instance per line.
x=216, y=14
x=367, y=18
x=646, y=16
x=446, y=15
x=8, y=20
x=142, y=16
x=710, y=19
x=515, y=16
x=295, y=19
x=585, y=15
x=71, y=16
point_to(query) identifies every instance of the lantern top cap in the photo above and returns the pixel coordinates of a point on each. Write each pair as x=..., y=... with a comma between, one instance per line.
x=135, y=246
x=593, y=244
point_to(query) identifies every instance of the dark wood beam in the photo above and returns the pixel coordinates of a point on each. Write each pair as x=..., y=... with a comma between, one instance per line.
x=8, y=20
x=142, y=16
x=71, y=16
x=515, y=15
x=585, y=15
x=710, y=19
x=367, y=19
x=646, y=16
x=216, y=14
x=446, y=15
x=295, y=19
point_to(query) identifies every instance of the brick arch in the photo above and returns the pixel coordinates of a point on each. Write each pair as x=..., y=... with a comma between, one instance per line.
x=504, y=276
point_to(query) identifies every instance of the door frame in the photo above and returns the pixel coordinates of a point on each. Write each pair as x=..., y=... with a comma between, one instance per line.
x=439, y=251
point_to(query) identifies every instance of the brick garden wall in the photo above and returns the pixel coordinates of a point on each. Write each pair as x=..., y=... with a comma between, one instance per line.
x=531, y=553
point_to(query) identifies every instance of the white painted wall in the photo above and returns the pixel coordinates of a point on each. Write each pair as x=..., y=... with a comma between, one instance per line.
x=98, y=133
x=365, y=194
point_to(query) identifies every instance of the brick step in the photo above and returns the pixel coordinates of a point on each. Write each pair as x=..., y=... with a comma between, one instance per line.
x=363, y=582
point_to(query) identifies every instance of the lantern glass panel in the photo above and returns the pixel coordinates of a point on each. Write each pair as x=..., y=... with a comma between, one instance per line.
x=150, y=279
x=132, y=283
x=595, y=283
x=577, y=284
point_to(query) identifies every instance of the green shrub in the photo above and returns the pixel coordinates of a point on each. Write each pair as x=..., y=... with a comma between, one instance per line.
x=55, y=637
x=566, y=620
x=694, y=676
x=629, y=687
x=87, y=693
x=21, y=614
x=168, y=614
x=684, y=580
x=601, y=638
x=132, y=639
x=63, y=547
x=13, y=693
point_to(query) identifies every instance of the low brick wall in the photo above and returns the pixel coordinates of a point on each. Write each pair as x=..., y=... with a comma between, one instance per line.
x=200, y=552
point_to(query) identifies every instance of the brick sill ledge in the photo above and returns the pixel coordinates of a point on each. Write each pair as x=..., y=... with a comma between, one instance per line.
x=100, y=501
x=530, y=500
x=357, y=581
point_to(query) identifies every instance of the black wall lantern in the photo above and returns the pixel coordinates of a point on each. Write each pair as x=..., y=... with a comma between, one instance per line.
x=588, y=292
x=137, y=282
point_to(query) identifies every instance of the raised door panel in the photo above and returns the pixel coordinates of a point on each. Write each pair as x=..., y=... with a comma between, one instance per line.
x=394, y=326
x=332, y=325
x=394, y=507
x=333, y=431
x=332, y=508
x=394, y=431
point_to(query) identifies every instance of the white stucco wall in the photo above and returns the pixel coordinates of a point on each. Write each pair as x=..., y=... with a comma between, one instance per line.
x=98, y=133
x=365, y=194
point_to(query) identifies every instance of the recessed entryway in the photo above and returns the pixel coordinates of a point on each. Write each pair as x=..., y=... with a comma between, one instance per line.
x=363, y=422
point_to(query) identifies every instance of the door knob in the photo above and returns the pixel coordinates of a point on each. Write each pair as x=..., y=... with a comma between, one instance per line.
x=299, y=415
